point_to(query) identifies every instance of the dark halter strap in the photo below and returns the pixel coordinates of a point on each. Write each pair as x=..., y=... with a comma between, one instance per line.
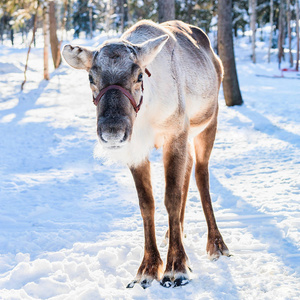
x=136, y=106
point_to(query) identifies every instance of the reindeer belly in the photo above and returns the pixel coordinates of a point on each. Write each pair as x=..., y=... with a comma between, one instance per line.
x=200, y=112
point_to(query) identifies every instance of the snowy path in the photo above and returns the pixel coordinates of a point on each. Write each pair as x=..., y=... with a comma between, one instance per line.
x=71, y=226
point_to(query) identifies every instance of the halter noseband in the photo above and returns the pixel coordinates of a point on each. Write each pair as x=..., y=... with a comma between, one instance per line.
x=136, y=106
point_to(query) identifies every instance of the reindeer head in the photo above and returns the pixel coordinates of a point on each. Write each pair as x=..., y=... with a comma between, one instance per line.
x=116, y=63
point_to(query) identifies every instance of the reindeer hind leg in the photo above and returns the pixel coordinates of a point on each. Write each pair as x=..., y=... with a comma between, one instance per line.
x=203, y=146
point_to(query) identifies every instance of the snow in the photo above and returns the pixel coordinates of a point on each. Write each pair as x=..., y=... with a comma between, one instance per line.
x=71, y=226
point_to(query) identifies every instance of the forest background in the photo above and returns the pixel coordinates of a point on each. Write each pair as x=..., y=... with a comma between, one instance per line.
x=70, y=226
x=88, y=17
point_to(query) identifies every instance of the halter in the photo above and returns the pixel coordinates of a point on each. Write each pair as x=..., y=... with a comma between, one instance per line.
x=136, y=106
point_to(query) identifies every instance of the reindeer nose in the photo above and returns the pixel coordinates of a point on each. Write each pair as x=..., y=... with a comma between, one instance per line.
x=112, y=134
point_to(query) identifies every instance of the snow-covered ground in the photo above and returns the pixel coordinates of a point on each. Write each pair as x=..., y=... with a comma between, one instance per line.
x=70, y=226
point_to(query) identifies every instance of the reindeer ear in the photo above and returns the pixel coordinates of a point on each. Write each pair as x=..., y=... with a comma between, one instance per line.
x=78, y=57
x=147, y=51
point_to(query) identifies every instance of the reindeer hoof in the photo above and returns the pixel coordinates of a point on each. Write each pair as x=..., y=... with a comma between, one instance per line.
x=145, y=283
x=166, y=282
x=181, y=281
x=215, y=248
x=131, y=284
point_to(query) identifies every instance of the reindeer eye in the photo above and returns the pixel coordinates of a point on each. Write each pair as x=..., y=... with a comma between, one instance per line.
x=91, y=79
x=140, y=78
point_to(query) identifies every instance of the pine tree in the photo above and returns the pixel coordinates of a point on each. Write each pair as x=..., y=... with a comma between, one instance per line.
x=196, y=12
x=240, y=13
x=81, y=17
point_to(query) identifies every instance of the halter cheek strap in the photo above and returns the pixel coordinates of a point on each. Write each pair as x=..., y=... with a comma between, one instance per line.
x=135, y=106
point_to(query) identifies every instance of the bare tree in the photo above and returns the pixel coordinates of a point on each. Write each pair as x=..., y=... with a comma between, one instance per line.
x=55, y=44
x=122, y=14
x=271, y=29
x=64, y=19
x=189, y=9
x=252, y=12
x=109, y=12
x=2, y=26
x=289, y=31
x=46, y=39
x=90, y=6
x=281, y=33
x=166, y=10
x=297, y=32
x=231, y=89
x=33, y=37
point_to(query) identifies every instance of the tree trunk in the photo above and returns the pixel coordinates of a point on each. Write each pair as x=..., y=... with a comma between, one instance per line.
x=34, y=40
x=46, y=40
x=69, y=15
x=189, y=10
x=252, y=12
x=122, y=13
x=271, y=30
x=64, y=19
x=231, y=87
x=91, y=20
x=125, y=18
x=22, y=31
x=12, y=36
x=109, y=12
x=289, y=31
x=2, y=28
x=298, y=36
x=280, y=33
x=166, y=10
x=55, y=44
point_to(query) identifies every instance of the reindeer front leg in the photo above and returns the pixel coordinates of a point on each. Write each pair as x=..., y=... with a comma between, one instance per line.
x=152, y=266
x=175, y=163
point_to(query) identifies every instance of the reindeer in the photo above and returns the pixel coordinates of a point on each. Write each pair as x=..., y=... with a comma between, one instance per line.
x=157, y=86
